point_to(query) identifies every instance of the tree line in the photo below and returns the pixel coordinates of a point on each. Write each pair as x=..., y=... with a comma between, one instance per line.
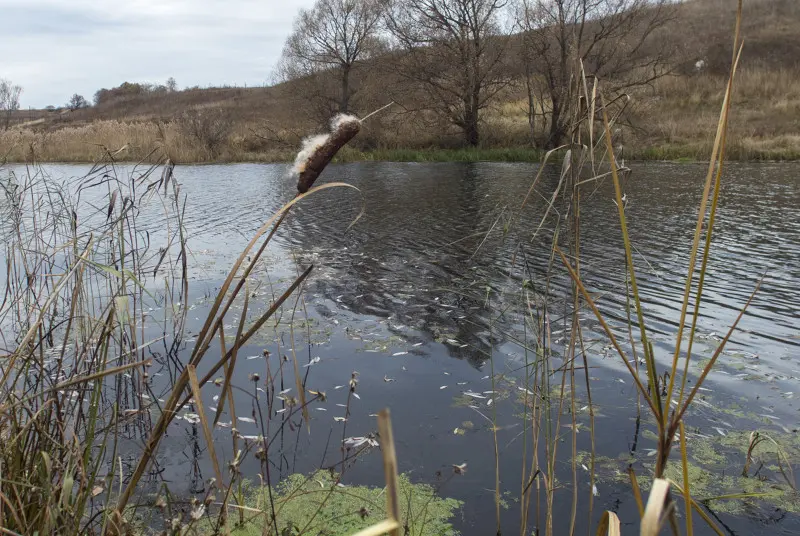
x=451, y=59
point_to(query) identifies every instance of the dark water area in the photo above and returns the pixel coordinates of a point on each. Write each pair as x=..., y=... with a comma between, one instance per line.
x=422, y=296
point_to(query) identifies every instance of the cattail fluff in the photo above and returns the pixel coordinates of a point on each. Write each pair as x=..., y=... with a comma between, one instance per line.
x=318, y=151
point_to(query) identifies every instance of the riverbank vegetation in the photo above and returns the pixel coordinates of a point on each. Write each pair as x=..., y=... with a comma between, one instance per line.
x=665, y=76
x=79, y=361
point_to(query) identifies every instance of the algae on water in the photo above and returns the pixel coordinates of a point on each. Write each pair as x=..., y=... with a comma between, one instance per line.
x=316, y=504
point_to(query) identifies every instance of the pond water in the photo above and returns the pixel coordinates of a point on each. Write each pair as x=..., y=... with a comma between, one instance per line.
x=421, y=296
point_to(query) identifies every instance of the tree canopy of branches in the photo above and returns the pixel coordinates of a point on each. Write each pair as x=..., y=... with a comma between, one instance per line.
x=453, y=50
x=610, y=39
x=330, y=39
x=76, y=102
x=9, y=101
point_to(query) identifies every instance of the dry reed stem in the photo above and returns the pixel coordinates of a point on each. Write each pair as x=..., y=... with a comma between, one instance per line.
x=390, y=470
x=609, y=525
x=201, y=412
x=655, y=513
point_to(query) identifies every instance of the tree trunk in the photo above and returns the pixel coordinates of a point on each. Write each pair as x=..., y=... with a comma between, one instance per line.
x=470, y=128
x=344, y=106
x=471, y=111
x=556, y=134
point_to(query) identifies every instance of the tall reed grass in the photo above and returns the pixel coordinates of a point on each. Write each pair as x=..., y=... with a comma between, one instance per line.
x=75, y=366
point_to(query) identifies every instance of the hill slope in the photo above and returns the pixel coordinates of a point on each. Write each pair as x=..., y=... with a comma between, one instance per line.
x=675, y=117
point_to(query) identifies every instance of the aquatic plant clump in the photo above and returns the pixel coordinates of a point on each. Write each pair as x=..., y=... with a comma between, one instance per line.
x=319, y=504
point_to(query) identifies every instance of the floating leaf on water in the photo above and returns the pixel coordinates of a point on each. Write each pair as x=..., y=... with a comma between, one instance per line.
x=191, y=418
x=285, y=391
x=720, y=431
x=356, y=442
x=312, y=362
x=620, y=380
x=584, y=467
x=463, y=383
x=417, y=345
x=473, y=395
x=399, y=353
x=251, y=357
x=215, y=398
x=489, y=402
x=247, y=419
x=442, y=387
x=97, y=490
x=387, y=379
x=320, y=409
x=357, y=396
x=338, y=386
x=594, y=490
x=339, y=419
x=485, y=378
x=280, y=410
x=224, y=424
x=459, y=431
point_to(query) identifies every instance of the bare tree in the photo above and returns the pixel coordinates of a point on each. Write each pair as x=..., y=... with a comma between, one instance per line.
x=77, y=102
x=171, y=85
x=9, y=101
x=612, y=39
x=328, y=41
x=453, y=50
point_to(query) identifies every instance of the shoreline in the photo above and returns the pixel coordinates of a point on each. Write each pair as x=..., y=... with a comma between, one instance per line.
x=437, y=155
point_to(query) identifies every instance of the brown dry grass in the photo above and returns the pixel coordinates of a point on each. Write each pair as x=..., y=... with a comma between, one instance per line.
x=676, y=115
x=674, y=118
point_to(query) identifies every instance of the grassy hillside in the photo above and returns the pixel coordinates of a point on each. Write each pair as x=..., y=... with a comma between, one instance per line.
x=673, y=118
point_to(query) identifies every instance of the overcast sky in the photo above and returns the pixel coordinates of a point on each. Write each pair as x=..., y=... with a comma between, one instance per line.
x=55, y=48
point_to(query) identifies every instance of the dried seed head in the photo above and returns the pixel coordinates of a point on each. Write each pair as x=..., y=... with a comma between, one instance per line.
x=318, y=151
x=198, y=512
x=254, y=377
x=319, y=394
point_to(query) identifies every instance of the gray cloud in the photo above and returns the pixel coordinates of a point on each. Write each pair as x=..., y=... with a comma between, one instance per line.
x=54, y=48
